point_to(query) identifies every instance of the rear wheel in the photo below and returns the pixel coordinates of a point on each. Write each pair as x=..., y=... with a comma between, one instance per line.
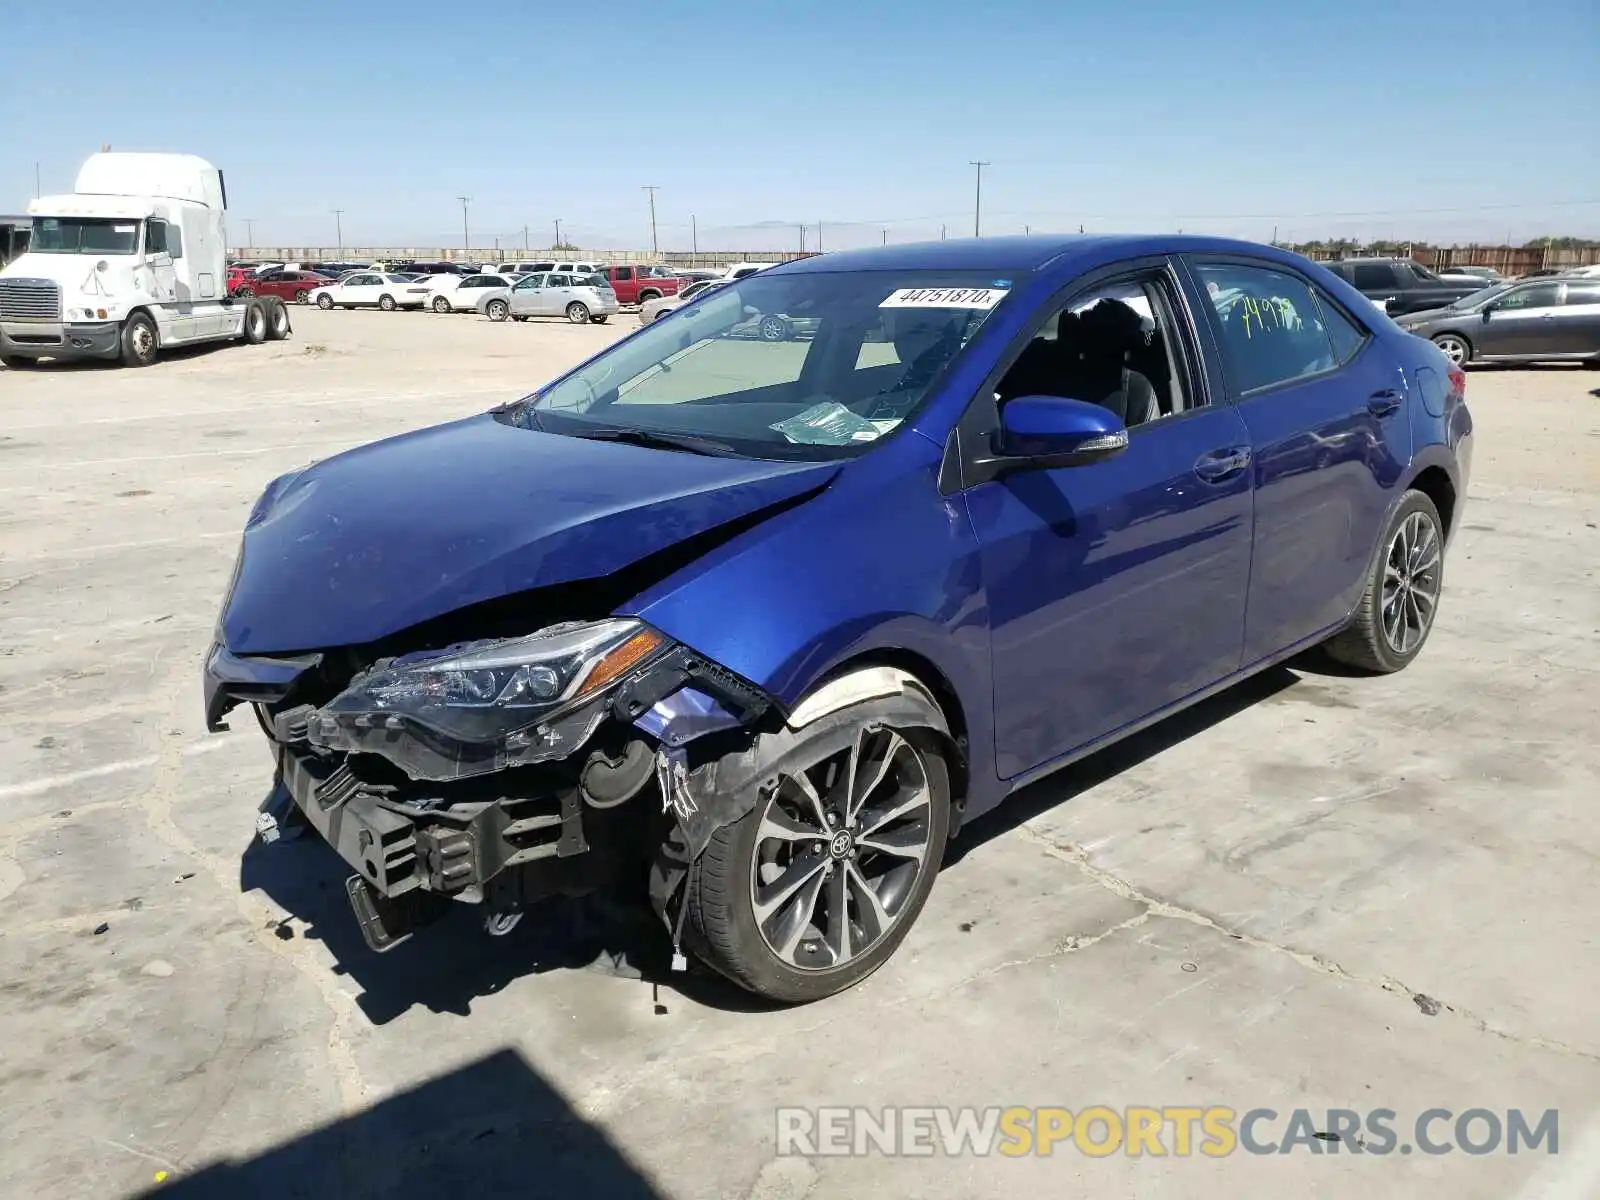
x=15, y=362
x=774, y=329
x=648, y=295
x=244, y=290
x=1456, y=348
x=815, y=887
x=386, y=302
x=441, y=305
x=497, y=310
x=303, y=296
x=255, y=323
x=325, y=301
x=139, y=342
x=277, y=321
x=1395, y=616
x=578, y=313
x=600, y=318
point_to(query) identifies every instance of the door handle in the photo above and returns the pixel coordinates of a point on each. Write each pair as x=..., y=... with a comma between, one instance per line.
x=1381, y=404
x=1217, y=465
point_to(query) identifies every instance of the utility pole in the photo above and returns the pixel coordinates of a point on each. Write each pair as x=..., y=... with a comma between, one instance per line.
x=1027, y=231
x=250, y=231
x=802, y=239
x=466, y=234
x=885, y=237
x=819, y=237
x=37, y=190
x=1274, y=241
x=524, y=239
x=655, y=246
x=338, y=225
x=694, y=234
x=557, y=246
x=941, y=233
x=977, y=202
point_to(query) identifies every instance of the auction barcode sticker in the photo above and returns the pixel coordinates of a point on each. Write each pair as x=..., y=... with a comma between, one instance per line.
x=984, y=298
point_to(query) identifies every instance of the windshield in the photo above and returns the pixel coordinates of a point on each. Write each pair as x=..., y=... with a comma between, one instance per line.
x=1479, y=297
x=84, y=235
x=808, y=365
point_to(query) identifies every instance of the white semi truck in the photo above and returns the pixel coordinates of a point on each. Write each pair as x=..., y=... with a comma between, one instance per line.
x=133, y=262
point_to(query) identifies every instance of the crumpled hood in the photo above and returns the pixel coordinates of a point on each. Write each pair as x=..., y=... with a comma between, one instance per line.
x=391, y=534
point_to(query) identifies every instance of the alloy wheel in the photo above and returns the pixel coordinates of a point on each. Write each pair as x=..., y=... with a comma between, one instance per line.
x=839, y=849
x=1411, y=577
x=1454, y=348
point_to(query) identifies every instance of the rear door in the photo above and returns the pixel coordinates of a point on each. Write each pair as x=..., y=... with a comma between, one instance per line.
x=1522, y=321
x=1325, y=407
x=1578, y=324
x=555, y=295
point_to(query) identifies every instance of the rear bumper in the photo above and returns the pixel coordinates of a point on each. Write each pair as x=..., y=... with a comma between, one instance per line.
x=55, y=339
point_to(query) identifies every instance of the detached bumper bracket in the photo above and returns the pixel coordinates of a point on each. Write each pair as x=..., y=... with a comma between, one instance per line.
x=386, y=922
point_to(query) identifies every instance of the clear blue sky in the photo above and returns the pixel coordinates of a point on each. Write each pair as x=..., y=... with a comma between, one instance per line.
x=1457, y=121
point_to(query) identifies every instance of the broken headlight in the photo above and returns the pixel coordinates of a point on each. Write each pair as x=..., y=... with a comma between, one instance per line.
x=486, y=706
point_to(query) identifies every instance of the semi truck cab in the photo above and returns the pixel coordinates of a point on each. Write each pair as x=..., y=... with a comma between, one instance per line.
x=133, y=260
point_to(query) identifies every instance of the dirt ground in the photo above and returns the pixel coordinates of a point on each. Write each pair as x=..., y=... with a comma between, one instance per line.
x=1313, y=891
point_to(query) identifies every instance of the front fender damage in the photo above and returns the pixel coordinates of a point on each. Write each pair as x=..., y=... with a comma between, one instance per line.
x=711, y=768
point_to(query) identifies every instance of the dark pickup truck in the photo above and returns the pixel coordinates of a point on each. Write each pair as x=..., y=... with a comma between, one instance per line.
x=1400, y=285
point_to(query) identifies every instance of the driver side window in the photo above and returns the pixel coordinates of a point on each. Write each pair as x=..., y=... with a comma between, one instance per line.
x=1116, y=346
x=1540, y=295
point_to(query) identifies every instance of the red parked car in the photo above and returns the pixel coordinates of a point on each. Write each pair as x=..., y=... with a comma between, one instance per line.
x=295, y=286
x=635, y=285
x=241, y=281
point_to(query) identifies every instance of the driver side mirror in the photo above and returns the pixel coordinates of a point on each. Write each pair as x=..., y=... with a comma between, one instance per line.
x=1050, y=432
x=159, y=259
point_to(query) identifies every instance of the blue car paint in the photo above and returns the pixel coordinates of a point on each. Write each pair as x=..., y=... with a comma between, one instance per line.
x=1055, y=610
x=391, y=534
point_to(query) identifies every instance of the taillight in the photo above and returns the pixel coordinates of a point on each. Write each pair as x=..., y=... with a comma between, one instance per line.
x=1458, y=382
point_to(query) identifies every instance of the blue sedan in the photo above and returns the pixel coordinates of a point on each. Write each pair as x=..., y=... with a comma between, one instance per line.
x=766, y=621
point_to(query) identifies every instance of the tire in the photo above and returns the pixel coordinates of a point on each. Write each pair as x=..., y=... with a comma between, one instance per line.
x=441, y=305
x=497, y=310
x=600, y=318
x=278, y=328
x=665, y=312
x=303, y=296
x=325, y=302
x=578, y=313
x=519, y=320
x=648, y=295
x=255, y=323
x=15, y=362
x=723, y=922
x=386, y=302
x=774, y=329
x=139, y=343
x=245, y=290
x=1390, y=626
x=1456, y=348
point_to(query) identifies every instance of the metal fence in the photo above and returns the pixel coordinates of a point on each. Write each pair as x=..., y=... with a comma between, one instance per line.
x=675, y=258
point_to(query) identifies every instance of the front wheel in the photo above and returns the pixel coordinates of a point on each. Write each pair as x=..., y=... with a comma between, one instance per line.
x=139, y=342
x=774, y=329
x=1396, y=613
x=815, y=887
x=648, y=295
x=578, y=313
x=325, y=302
x=15, y=362
x=600, y=318
x=441, y=305
x=497, y=310
x=386, y=302
x=302, y=297
x=1456, y=348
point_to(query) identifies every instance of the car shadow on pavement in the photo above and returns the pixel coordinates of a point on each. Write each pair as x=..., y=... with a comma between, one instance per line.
x=490, y=1128
x=1070, y=782
x=447, y=965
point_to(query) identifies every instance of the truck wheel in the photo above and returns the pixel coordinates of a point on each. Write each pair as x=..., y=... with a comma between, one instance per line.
x=139, y=342
x=578, y=313
x=255, y=323
x=277, y=321
x=814, y=888
x=1395, y=616
x=325, y=302
x=441, y=305
x=648, y=295
x=386, y=302
x=497, y=310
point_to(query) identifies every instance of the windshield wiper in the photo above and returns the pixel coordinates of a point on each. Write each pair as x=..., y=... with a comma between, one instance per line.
x=692, y=443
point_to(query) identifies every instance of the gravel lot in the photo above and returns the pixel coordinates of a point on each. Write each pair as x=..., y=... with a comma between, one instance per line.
x=1312, y=891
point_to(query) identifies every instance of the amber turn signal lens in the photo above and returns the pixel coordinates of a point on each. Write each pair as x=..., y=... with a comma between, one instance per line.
x=624, y=658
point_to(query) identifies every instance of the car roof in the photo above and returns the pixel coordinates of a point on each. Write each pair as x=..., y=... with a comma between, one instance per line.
x=1025, y=253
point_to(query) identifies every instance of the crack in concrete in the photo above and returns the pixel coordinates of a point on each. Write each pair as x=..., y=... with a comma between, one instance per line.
x=1078, y=857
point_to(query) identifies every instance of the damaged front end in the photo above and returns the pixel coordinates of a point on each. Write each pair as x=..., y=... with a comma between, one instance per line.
x=492, y=772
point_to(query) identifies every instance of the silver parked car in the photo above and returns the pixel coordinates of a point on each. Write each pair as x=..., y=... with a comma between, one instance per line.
x=579, y=298
x=654, y=310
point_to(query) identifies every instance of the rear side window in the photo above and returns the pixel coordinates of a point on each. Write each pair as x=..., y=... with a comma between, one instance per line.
x=1347, y=336
x=624, y=274
x=1583, y=293
x=1372, y=276
x=1269, y=324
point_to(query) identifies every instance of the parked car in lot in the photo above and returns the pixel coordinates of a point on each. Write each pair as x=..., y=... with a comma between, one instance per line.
x=579, y=298
x=1537, y=320
x=1399, y=285
x=1482, y=276
x=459, y=293
x=740, y=269
x=641, y=284
x=241, y=280
x=772, y=622
x=296, y=286
x=373, y=289
x=654, y=310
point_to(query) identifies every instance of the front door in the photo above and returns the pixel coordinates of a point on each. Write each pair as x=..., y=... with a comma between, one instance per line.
x=524, y=298
x=1116, y=589
x=1330, y=435
x=360, y=289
